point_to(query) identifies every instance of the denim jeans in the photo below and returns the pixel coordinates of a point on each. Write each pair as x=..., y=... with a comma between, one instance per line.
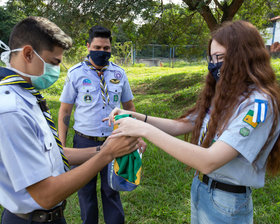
x=216, y=206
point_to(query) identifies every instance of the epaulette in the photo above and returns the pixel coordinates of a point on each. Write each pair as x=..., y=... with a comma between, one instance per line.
x=75, y=67
x=8, y=100
x=115, y=65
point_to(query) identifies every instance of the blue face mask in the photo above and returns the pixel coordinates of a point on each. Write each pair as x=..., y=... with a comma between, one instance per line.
x=100, y=58
x=214, y=69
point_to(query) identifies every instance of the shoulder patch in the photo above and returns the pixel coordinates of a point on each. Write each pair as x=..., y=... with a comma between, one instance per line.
x=75, y=67
x=249, y=119
x=8, y=100
x=260, y=110
x=244, y=132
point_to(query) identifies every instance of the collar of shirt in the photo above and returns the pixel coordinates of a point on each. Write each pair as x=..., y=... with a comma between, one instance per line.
x=110, y=68
x=25, y=94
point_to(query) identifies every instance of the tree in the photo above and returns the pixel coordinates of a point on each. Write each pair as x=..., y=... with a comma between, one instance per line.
x=7, y=22
x=215, y=12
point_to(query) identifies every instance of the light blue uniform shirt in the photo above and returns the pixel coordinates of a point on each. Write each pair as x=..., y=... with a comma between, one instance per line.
x=248, y=139
x=82, y=88
x=28, y=150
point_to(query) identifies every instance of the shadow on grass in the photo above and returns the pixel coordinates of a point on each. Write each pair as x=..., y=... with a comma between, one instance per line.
x=168, y=84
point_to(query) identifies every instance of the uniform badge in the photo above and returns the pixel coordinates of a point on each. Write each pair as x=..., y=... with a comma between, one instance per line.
x=118, y=75
x=249, y=119
x=260, y=110
x=87, y=98
x=86, y=82
x=116, y=98
x=115, y=81
x=244, y=132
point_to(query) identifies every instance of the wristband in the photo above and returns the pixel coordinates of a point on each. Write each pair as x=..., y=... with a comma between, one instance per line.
x=146, y=118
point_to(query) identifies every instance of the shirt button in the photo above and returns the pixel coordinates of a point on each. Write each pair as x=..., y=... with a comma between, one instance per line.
x=7, y=92
x=103, y=107
x=102, y=133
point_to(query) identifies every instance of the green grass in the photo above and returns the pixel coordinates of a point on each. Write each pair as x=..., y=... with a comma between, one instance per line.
x=164, y=193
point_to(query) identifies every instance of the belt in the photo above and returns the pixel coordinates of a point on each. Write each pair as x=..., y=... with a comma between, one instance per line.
x=45, y=215
x=94, y=138
x=222, y=186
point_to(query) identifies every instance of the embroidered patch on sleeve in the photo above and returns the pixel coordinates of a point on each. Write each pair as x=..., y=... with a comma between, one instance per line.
x=249, y=119
x=244, y=132
x=260, y=110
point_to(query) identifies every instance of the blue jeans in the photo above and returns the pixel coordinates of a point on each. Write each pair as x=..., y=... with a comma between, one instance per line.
x=112, y=206
x=10, y=218
x=216, y=206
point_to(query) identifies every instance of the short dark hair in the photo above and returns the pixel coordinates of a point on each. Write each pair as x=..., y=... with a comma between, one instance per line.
x=40, y=33
x=99, y=31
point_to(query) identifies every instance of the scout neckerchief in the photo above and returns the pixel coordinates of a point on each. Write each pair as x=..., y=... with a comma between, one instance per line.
x=7, y=77
x=103, y=85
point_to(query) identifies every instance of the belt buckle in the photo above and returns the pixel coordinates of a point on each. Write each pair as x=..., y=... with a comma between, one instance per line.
x=50, y=217
x=101, y=139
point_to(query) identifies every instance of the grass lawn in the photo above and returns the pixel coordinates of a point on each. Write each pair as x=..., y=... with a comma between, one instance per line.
x=164, y=193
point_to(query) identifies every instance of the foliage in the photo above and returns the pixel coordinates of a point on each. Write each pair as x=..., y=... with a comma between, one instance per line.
x=7, y=21
x=259, y=12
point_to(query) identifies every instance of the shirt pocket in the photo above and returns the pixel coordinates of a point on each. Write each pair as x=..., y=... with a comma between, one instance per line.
x=115, y=93
x=49, y=146
x=89, y=96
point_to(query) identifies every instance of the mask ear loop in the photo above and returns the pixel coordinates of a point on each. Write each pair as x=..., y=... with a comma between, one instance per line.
x=5, y=56
x=4, y=46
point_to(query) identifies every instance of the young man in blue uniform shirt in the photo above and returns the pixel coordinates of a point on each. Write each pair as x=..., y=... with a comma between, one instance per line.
x=95, y=86
x=33, y=181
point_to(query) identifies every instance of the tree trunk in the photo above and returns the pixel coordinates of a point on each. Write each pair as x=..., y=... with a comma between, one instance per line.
x=202, y=7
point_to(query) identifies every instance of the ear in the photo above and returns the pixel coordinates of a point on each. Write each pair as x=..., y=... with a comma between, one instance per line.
x=88, y=45
x=28, y=53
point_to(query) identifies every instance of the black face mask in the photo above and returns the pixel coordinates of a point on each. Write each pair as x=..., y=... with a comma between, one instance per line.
x=214, y=69
x=100, y=58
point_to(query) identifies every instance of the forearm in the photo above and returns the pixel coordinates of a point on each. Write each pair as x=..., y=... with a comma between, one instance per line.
x=55, y=189
x=62, y=132
x=172, y=127
x=205, y=160
x=64, y=116
x=78, y=156
x=52, y=190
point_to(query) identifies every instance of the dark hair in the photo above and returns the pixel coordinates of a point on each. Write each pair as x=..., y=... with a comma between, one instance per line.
x=99, y=31
x=40, y=33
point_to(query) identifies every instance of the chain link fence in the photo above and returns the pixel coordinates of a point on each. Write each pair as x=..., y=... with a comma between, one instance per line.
x=157, y=54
